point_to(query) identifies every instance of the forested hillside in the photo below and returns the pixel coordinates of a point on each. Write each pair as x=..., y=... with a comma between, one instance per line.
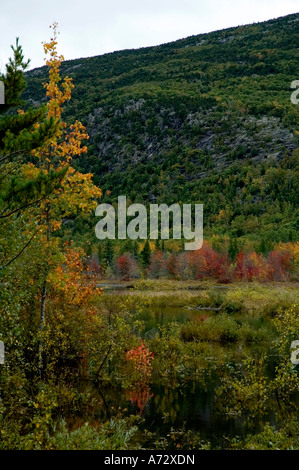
x=207, y=119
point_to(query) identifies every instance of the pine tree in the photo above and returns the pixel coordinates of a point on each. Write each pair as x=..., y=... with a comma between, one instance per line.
x=108, y=252
x=265, y=247
x=20, y=133
x=126, y=247
x=233, y=248
x=145, y=255
x=135, y=250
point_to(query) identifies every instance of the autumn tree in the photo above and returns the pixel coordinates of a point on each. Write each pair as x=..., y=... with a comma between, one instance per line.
x=74, y=320
x=280, y=265
x=207, y=263
x=126, y=266
x=77, y=192
x=171, y=266
x=21, y=193
x=33, y=198
x=157, y=266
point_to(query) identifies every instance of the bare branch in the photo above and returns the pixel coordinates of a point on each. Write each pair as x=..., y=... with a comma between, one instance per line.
x=11, y=154
x=24, y=207
x=22, y=250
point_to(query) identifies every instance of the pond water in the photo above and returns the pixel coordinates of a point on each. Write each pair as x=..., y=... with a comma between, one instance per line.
x=192, y=404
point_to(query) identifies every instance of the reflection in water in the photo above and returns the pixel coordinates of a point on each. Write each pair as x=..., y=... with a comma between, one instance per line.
x=197, y=403
x=139, y=396
x=197, y=407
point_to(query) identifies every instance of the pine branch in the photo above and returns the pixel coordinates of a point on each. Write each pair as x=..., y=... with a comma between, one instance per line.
x=11, y=154
x=52, y=187
x=23, y=207
x=22, y=250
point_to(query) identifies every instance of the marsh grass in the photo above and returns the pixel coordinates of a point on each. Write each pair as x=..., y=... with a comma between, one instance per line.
x=224, y=329
x=253, y=298
x=235, y=313
x=256, y=297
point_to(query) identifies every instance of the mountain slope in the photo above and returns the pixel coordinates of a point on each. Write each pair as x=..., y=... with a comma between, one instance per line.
x=203, y=119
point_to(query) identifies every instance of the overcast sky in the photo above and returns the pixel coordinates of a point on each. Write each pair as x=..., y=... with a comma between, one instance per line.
x=93, y=27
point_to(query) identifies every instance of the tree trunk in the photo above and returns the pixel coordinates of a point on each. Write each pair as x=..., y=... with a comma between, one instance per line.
x=42, y=323
x=44, y=296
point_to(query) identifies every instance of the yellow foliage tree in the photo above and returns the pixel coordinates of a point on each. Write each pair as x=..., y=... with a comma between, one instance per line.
x=293, y=249
x=77, y=192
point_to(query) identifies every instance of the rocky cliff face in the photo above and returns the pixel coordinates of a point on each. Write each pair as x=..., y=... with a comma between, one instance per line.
x=151, y=134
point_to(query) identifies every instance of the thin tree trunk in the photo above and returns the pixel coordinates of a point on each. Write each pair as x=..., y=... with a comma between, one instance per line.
x=44, y=296
x=42, y=324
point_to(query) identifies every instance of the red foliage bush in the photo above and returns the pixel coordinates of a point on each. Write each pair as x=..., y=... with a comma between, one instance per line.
x=126, y=267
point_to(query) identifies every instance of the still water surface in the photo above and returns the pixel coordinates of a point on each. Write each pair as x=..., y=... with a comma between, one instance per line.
x=190, y=404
